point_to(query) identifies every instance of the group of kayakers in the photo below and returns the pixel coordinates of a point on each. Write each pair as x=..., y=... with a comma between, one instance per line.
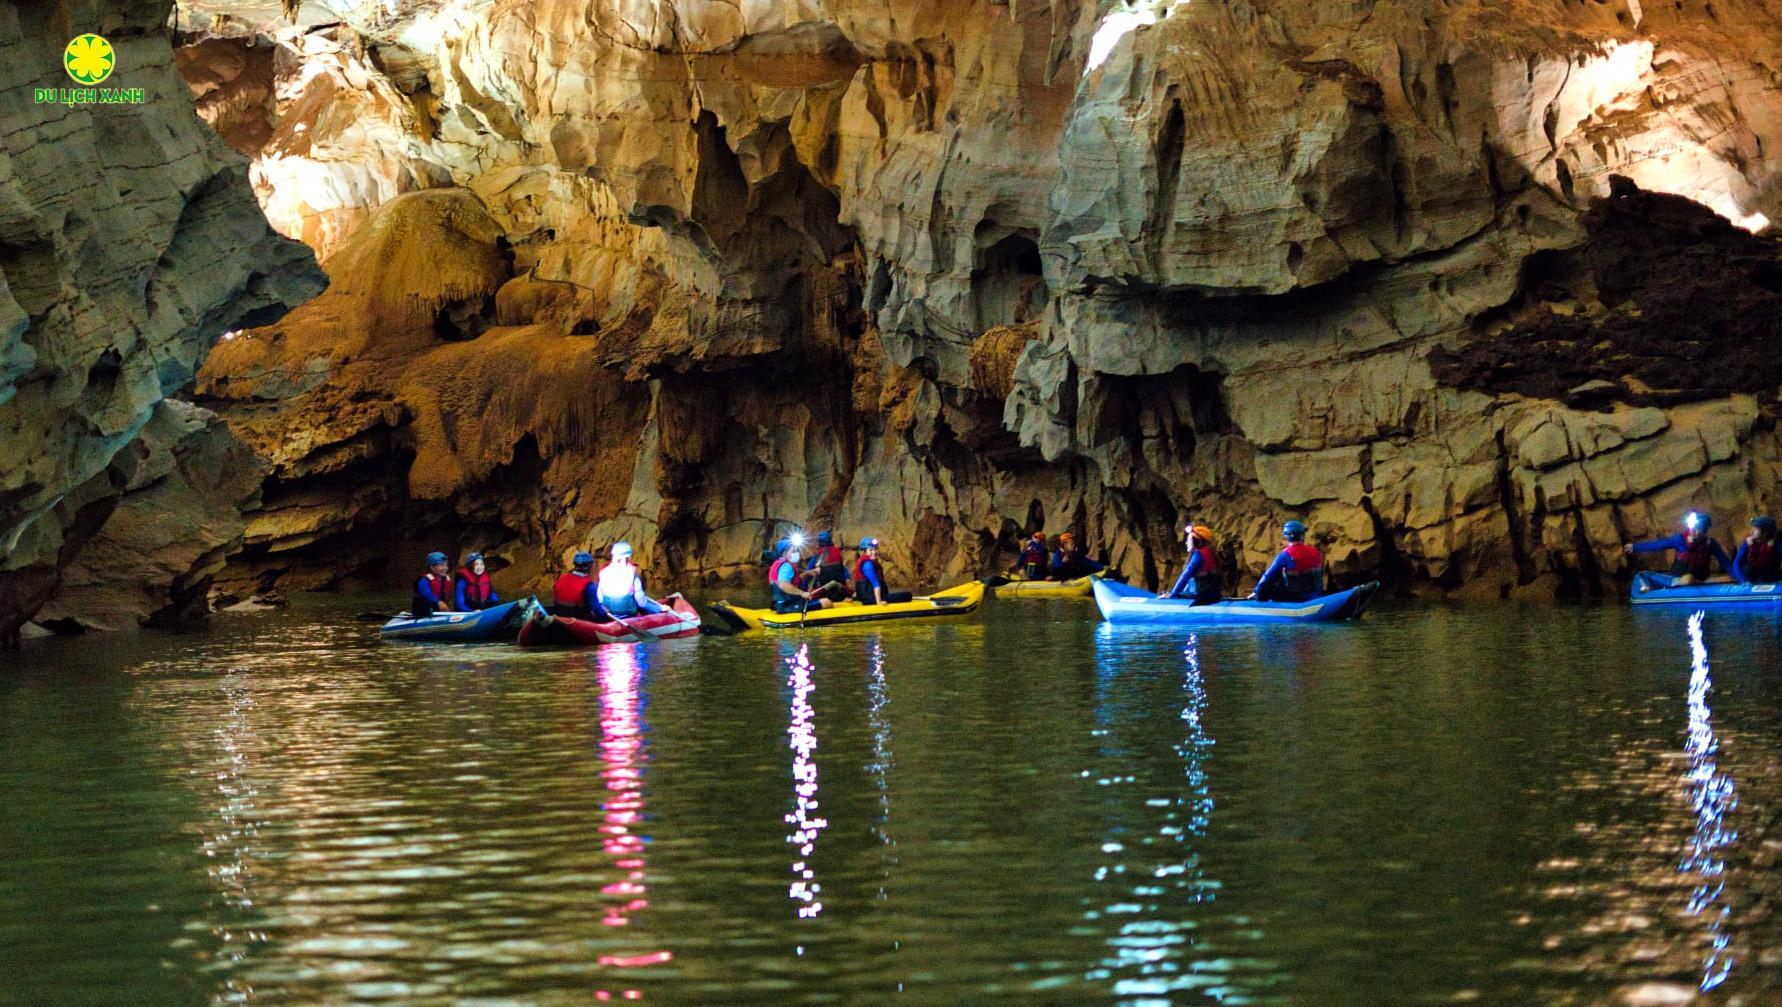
x=438, y=590
x=1697, y=552
x=1065, y=561
x=817, y=579
x=617, y=592
x=801, y=583
x=1295, y=574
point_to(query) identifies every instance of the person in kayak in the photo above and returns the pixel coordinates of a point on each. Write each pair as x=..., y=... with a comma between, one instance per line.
x=1697, y=551
x=433, y=592
x=1758, y=561
x=1035, y=561
x=782, y=580
x=1068, y=563
x=574, y=594
x=869, y=578
x=1200, y=580
x=475, y=590
x=1297, y=573
x=621, y=590
x=830, y=568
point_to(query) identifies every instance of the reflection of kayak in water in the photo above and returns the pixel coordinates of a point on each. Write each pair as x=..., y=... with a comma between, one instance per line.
x=1020, y=587
x=542, y=629
x=1129, y=605
x=1659, y=589
x=961, y=600
x=498, y=623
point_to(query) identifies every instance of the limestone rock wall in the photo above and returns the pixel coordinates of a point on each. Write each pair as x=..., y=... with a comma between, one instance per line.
x=129, y=241
x=782, y=244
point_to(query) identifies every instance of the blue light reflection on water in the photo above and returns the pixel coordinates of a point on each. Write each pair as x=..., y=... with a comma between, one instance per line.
x=1712, y=795
x=1153, y=857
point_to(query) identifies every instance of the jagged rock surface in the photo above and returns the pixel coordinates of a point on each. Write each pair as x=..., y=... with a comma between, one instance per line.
x=129, y=241
x=1232, y=238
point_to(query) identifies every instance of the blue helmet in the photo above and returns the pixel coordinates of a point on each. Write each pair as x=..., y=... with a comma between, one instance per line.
x=868, y=543
x=1697, y=521
x=1293, y=531
x=583, y=559
x=436, y=558
x=825, y=538
x=782, y=545
x=1764, y=523
x=472, y=558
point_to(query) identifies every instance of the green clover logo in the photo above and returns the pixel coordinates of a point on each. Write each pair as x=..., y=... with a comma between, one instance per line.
x=88, y=59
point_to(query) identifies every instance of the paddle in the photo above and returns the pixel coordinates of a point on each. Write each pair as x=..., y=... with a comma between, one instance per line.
x=811, y=595
x=995, y=580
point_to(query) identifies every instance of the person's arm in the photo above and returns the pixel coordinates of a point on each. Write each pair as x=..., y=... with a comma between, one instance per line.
x=463, y=602
x=596, y=611
x=1738, y=567
x=645, y=603
x=1719, y=553
x=1276, y=569
x=1093, y=565
x=1658, y=545
x=789, y=582
x=1189, y=569
x=424, y=588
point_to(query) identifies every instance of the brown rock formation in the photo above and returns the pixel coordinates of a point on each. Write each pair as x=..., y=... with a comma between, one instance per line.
x=798, y=243
x=129, y=241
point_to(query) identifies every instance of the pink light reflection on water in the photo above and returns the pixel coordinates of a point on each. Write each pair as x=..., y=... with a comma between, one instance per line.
x=622, y=752
x=806, y=824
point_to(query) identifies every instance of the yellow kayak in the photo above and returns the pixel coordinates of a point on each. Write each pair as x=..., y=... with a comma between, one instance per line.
x=961, y=600
x=1020, y=587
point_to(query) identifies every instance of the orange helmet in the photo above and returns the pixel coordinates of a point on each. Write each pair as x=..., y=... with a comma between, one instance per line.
x=1066, y=538
x=1202, y=532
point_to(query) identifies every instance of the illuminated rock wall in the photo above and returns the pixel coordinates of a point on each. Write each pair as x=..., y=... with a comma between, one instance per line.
x=1230, y=235
x=129, y=240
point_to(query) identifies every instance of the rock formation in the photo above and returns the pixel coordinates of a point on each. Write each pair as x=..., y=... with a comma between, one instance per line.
x=129, y=241
x=946, y=269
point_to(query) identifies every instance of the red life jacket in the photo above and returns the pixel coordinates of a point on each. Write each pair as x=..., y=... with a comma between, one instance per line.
x=1209, y=560
x=1034, y=552
x=442, y=589
x=1307, y=575
x=1762, y=564
x=829, y=555
x=1697, y=555
x=478, y=588
x=571, y=590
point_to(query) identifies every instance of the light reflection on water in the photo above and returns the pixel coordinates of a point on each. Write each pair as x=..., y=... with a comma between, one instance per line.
x=1435, y=806
x=1713, y=797
x=804, y=818
x=622, y=732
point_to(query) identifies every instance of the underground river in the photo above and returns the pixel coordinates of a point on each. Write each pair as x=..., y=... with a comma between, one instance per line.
x=1498, y=804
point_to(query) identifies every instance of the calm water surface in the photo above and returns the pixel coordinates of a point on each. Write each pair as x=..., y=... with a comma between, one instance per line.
x=1511, y=805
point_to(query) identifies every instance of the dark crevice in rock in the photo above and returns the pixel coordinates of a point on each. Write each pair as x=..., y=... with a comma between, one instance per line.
x=1665, y=303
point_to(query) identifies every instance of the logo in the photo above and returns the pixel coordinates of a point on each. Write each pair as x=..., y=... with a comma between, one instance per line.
x=88, y=59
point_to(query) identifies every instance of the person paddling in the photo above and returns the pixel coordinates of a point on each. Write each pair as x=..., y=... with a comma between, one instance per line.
x=621, y=590
x=476, y=591
x=1200, y=581
x=870, y=587
x=1697, y=551
x=433, y=591
x=830, y=567
x=782, y=580
x=1034, y=563
x=1758, y=561
x=1297, y=573
x=573, y=596
x=1069, y=563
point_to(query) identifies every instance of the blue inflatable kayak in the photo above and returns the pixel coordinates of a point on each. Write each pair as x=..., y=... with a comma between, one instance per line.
x=1131, y=606
x=499, y=623
x=1657, y=589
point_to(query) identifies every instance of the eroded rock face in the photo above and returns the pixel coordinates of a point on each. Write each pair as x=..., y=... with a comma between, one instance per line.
x=1232, y=249
x=129, y=241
